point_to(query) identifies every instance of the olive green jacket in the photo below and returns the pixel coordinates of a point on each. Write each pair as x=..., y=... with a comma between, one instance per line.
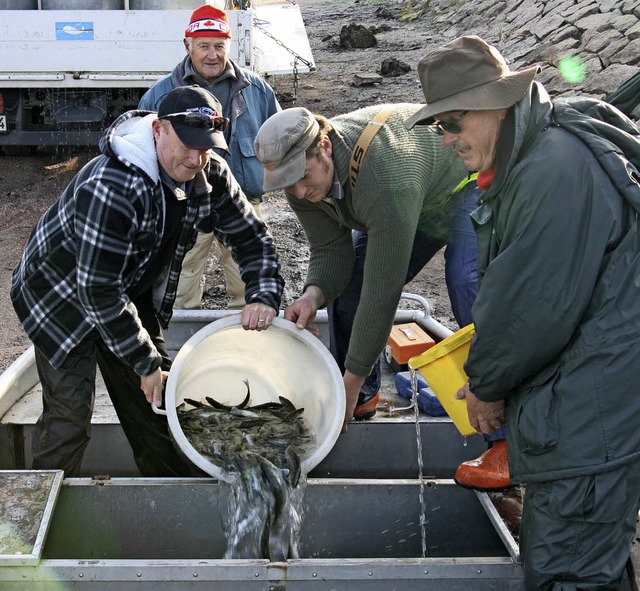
x=403, y=189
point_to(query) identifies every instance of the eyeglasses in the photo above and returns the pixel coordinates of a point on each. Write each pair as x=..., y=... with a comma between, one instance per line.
x=195, y=119
x=452, y=125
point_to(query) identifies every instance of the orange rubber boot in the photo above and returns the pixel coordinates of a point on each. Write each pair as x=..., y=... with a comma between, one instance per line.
x=367, y=409
x=489, y=472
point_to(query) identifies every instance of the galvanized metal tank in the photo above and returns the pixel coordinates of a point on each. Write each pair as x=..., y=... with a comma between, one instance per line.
x=167, y=4
x=166, y=534
x=18, y=4
x=82, y=4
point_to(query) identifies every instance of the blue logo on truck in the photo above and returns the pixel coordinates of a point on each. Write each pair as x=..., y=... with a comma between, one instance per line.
x=74, y=31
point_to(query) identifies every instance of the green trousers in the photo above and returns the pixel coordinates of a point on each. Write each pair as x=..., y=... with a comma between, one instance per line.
x=576, y=534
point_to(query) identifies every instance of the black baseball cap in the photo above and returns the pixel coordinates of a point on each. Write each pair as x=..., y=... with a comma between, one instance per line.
x=196, y=117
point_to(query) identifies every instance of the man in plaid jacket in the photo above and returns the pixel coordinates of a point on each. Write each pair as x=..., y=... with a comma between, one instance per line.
x=98, y=276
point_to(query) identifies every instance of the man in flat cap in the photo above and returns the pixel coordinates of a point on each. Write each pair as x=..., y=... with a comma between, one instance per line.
x=557, y=315
x=369, y=231
x=98, y=277
x=247, y=101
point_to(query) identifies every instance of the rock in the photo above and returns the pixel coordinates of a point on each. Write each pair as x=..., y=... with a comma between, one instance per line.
x=598, y=42
x=381, y=29
x=544, y=26
x=393, y=67
x=286, y=97
x=629, y=55
x=366, y=79
x=386, y=12
x=356, y=36
x=611, y=78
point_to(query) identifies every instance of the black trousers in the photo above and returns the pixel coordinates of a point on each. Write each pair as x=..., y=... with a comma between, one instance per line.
x=63, y=430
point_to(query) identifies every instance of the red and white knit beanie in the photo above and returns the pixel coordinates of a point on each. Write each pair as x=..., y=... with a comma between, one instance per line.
x=208, y=21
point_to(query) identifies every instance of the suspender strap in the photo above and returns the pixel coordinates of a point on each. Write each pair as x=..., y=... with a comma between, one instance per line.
x=463, y=183
x=362, y=145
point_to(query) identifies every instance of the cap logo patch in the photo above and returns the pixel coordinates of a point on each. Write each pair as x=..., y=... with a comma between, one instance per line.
x=208, y=24
x=204, y=110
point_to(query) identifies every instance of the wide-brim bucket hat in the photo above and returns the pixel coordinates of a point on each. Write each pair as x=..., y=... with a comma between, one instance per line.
x=468, y=74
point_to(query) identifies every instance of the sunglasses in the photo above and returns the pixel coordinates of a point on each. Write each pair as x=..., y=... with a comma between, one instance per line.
x=195, y=119
x=452, y=125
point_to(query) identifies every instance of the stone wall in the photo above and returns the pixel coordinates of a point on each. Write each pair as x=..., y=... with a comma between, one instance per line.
x=603, y=34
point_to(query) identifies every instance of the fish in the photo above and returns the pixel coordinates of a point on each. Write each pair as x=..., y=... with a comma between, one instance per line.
x=279, y=534
x=213, y=402
x=293, y=465
x=261, y=446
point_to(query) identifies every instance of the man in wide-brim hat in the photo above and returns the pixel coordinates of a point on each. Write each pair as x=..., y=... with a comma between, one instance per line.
x=476, y=77
x=554, y=357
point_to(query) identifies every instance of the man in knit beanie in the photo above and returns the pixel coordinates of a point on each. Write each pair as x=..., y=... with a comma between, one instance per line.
x=372, y=225
x=247, y=101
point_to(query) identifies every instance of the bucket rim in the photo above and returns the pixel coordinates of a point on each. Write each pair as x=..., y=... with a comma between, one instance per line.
x=439, y=350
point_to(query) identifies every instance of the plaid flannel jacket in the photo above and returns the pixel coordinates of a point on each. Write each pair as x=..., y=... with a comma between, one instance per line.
x=93, y=246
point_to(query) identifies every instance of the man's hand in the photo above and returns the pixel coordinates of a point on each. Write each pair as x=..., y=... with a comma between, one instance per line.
x=352, y=385
x=305, y=308
x=257, y=316
x=152, y=386
x=485, y=417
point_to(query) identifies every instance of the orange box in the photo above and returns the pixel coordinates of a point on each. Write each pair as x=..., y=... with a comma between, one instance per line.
x=407, y=341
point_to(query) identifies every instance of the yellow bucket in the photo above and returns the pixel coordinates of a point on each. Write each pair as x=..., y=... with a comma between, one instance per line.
x=443, y=368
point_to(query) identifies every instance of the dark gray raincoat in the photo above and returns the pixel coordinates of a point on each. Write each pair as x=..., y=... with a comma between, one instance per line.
x=558, y=312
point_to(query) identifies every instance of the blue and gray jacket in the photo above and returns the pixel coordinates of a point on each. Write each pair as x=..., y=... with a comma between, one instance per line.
x=252, y=103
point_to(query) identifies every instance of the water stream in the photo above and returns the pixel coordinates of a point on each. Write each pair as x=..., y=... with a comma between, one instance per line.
x=416, y=410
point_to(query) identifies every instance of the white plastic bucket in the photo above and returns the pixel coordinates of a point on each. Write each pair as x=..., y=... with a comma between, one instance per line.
x=280, y=361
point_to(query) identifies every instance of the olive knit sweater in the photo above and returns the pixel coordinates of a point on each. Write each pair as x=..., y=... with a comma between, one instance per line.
x=404, y=187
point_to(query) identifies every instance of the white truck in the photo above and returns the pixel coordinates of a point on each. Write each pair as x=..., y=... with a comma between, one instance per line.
x=68, y=68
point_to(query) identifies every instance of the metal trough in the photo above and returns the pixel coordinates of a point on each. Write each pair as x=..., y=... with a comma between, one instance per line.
x=361, y=527
x=356, y=534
